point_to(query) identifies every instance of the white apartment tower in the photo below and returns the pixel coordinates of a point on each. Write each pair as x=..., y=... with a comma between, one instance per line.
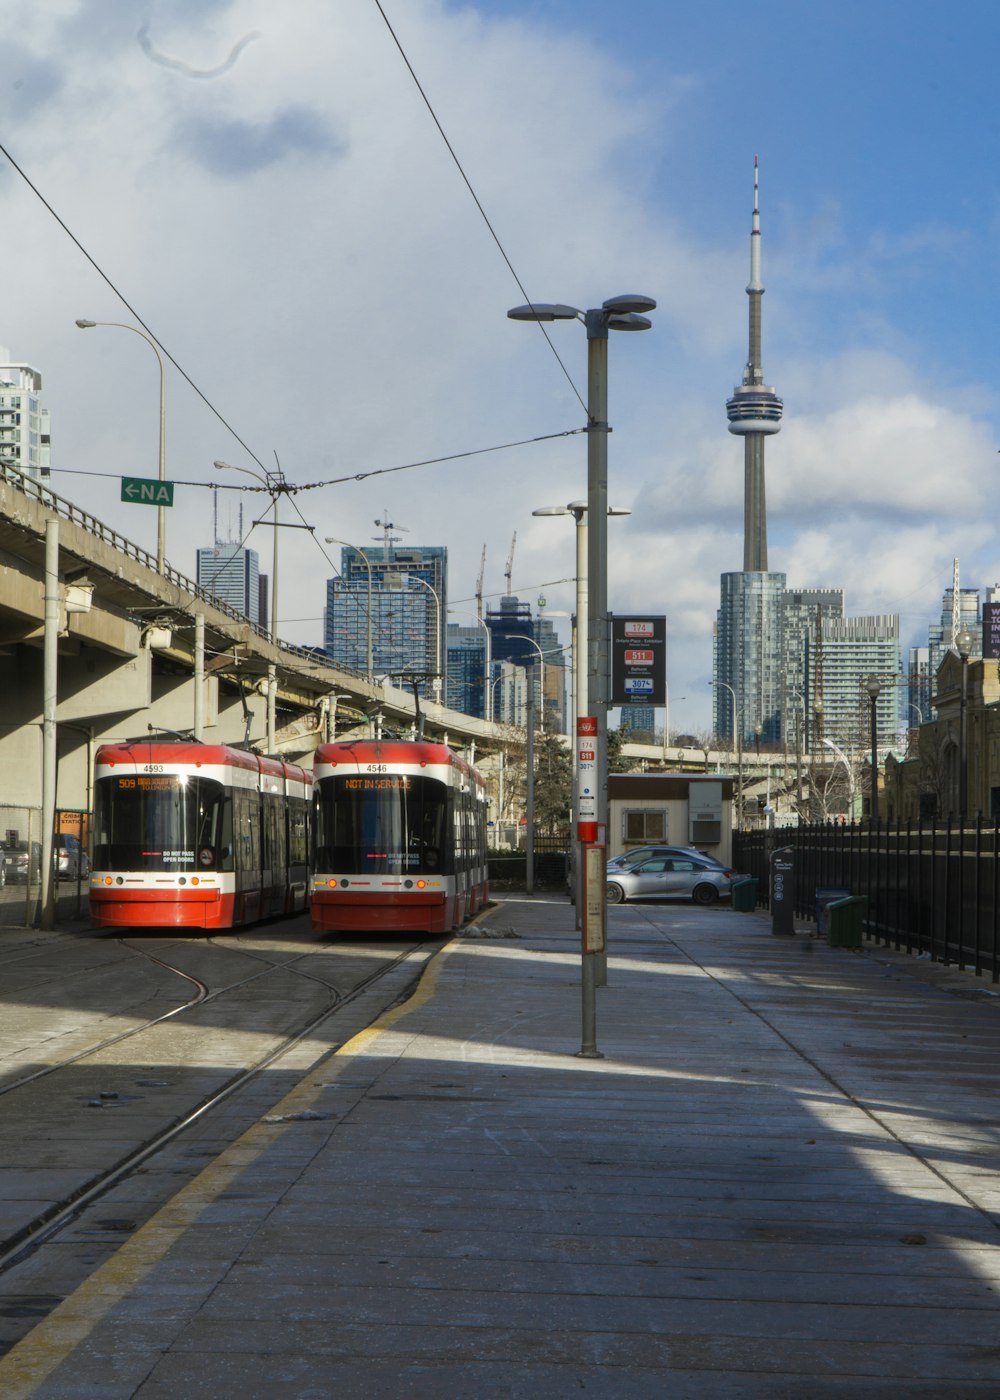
x=24, y=424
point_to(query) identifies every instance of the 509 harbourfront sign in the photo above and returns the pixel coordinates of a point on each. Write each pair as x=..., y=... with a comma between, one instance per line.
x=639, y=660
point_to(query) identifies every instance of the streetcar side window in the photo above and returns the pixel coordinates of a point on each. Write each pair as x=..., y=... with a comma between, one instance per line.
x=298, y=831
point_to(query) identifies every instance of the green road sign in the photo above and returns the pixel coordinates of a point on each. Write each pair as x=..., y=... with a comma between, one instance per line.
x=146, y=491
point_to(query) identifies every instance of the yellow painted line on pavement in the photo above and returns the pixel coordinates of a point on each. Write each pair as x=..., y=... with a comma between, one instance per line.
x=33, y=1359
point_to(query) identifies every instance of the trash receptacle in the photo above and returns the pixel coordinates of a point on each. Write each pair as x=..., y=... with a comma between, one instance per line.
x=825, y=896
x=744, y=894
x=846, y=921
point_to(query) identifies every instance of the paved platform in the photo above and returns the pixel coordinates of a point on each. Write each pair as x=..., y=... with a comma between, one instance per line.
x=780, y=1181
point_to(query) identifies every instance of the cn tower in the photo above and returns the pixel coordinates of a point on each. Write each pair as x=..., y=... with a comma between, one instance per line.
x=754, y=412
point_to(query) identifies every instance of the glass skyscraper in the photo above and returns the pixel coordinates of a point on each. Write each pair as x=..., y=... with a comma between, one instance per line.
x=408, y=593
x=232, y=574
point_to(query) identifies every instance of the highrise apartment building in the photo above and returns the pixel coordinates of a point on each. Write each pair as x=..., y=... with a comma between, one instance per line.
x=231, y=573
x=24, y=423
x=750, y=656
x=854, y=649
x=467, y=678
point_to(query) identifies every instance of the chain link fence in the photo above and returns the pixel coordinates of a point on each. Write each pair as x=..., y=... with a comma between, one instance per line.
x=21, y=867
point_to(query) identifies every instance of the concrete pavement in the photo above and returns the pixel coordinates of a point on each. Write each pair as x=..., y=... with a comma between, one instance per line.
x=780, y=1181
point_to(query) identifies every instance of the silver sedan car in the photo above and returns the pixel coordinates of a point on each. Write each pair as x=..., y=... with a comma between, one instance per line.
x=670, y=877
x=638, y=854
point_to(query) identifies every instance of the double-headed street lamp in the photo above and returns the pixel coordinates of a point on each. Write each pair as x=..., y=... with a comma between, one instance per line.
x=621, y=313
x=161, y=518
x=553, y=651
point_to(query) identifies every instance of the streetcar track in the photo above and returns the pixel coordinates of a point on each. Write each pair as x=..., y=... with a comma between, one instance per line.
x=59, y=1214
x=202, y=996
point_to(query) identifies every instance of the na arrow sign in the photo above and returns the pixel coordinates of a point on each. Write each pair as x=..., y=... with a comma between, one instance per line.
x=147, y=491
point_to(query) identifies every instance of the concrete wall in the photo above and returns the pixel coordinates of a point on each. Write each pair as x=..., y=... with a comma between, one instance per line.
x=678, y=797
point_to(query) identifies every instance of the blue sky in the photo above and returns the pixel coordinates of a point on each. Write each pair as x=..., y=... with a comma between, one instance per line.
x=267, y=188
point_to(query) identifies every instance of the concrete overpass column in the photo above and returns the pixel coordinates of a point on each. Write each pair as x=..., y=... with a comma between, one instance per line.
x=272, y=696
x=199, y=676
x=49, y=701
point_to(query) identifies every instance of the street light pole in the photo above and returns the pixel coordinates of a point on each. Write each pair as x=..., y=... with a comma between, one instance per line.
x=161, y=515
x=329, y=539
x=739, y=757
x=839, y=753
x=439, y=668
x=963, y=645
x=617, y=313
x=578, y=510
x=487, y=668
x=873, y=687
x=521, y=637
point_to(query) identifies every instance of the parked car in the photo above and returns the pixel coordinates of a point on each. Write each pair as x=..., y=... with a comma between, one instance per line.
x=15, y=865
x=685, y=876
x=70, y=858
x=638, y=854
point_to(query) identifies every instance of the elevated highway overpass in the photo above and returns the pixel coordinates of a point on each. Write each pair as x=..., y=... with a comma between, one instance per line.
x=137, y=649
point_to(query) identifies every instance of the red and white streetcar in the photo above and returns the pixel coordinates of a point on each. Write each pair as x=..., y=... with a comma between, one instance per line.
x=190, y=835
x=399, y=837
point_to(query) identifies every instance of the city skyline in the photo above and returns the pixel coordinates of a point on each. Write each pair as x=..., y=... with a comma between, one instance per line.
x=296, y=235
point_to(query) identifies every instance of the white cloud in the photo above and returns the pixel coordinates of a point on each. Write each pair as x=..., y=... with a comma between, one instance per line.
x=296, y=234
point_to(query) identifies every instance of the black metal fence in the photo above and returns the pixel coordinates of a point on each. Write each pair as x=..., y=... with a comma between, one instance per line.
x=508, y=869
x=930, y=889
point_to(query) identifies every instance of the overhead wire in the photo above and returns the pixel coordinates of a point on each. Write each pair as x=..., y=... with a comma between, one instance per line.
x=127, y=304
x=478, y=203
x=291, y=488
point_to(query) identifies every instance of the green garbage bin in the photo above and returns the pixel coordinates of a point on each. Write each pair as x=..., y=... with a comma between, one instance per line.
x=846, y=921
x=744, y=894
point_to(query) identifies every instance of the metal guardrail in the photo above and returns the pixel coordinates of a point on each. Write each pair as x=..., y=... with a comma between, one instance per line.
x=45, y=496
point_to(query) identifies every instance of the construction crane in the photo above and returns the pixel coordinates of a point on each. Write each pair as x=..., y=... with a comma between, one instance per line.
x=509, y=567
x=479, y=587
x=388, y=538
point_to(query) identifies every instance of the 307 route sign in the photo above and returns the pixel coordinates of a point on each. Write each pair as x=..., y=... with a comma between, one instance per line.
x=147, y=491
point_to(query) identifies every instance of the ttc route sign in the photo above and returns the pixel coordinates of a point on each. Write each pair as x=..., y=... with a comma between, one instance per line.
x=145, y=491
x=639, y=660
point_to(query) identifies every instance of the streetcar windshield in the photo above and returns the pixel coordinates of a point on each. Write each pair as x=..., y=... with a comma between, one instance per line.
x=381, y=824
x=161, y=821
